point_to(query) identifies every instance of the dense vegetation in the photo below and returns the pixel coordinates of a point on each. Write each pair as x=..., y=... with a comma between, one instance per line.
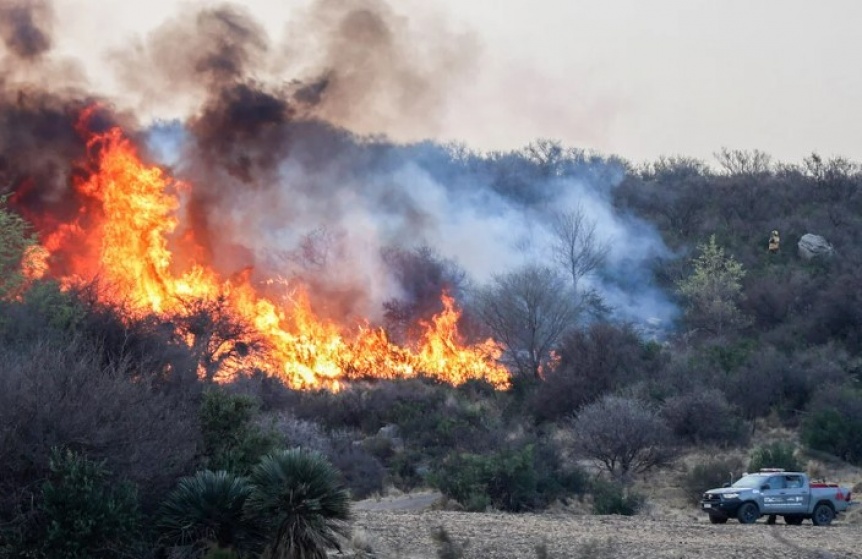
x=110, y=439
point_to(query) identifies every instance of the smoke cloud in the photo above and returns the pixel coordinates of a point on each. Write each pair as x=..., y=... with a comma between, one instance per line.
x=25, y=27
x=288, y=178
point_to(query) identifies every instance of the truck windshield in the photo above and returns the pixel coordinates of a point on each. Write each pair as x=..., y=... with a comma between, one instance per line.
x=749, y=482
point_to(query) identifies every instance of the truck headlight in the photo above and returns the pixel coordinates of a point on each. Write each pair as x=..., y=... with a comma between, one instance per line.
x=731, y=495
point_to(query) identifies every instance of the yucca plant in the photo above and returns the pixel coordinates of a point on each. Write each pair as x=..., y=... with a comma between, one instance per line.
x=205, y=512
x=298, y=497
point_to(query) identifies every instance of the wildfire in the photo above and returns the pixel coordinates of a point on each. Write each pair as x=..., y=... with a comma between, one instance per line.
x=125, y=234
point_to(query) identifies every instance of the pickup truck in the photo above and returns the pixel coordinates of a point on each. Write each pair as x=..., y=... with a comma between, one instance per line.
x=772, y=492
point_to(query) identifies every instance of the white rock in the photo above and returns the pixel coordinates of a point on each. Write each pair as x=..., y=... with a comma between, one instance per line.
x=814, y=246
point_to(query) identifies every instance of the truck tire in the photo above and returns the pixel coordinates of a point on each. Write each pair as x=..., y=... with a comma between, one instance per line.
x=822, y=515
x=717, y=519
x=793, y=520
x=748, y=513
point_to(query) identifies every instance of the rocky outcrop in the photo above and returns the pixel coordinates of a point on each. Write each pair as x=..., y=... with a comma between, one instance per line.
x=814, y=246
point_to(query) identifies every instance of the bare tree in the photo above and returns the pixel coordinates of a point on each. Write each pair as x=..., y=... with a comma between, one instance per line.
x=528, y=310
x=742, y=162
x=576, y=248
x=624, y=434
x=217, y=336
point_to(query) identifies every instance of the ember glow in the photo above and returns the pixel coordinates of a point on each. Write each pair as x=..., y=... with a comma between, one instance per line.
x=128, y=232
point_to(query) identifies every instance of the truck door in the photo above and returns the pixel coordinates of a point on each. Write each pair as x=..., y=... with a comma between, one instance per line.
x=774, y=493
x=796, y=494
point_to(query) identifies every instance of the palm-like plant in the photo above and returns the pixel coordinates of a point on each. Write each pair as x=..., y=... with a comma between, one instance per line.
x=298, y=496
x=206, y=510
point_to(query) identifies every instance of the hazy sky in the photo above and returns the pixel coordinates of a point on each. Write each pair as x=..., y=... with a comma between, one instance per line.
x=638, y=78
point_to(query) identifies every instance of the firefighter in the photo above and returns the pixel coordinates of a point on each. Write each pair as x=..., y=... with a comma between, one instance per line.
x=773, y=241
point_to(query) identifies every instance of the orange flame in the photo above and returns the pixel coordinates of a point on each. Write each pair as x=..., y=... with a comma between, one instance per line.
x=125, y=239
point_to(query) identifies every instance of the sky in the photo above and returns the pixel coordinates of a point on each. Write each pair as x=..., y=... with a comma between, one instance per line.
x=639, y=79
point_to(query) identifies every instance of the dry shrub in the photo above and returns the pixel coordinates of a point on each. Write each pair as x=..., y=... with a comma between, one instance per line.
x=55, y=394
x=624, y=434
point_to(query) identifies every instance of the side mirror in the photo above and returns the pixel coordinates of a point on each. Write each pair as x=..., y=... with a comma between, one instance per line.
x=764, y=487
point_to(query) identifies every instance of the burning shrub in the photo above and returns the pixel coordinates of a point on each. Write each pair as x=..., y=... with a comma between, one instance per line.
x=146, y=342
x=423, y=275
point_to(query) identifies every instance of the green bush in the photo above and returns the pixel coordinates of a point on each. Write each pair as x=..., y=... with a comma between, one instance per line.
x=835, y=424
x=514, y=480
x=86, y=515
x=709, y=475
x=233, y=442
x=464, y=478
x=775, y=455
x=611, y=497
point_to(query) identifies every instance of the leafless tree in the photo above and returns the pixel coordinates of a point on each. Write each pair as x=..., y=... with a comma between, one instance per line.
x=577, y=248
x=624, y=434
x=216, y=334
x=743, y=162
x=528, y=310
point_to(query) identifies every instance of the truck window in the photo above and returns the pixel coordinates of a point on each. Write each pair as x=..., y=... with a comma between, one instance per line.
x=776, y=482
x=793, y=482
x=750, y=481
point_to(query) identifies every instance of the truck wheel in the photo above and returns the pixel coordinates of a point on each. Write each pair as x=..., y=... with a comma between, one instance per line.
x=823, y=515
x=717, y=519
x=793, y=520
x=748, y=513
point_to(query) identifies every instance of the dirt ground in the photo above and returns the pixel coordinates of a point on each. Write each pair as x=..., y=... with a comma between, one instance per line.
x=401, y=528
